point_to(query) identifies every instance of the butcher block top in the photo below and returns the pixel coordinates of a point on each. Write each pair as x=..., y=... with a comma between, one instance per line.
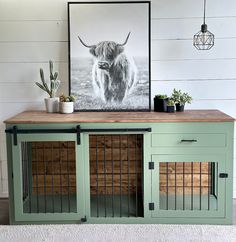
x=41, y=117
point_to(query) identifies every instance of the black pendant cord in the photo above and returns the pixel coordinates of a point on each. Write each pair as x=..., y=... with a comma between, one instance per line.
x=204, y=16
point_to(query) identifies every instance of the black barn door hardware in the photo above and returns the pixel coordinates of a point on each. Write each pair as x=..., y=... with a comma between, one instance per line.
x=76, y=130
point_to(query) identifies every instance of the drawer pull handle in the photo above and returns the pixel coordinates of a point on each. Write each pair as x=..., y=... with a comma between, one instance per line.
x=189, y=140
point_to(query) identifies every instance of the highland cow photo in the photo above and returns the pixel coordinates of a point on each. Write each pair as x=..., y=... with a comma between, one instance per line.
x=109, y=46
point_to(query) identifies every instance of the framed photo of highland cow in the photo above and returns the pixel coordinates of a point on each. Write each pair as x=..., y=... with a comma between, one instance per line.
x=109, y=55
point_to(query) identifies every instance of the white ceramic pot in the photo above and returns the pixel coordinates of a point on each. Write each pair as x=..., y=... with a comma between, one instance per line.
x=52, y=104
x=66, y=107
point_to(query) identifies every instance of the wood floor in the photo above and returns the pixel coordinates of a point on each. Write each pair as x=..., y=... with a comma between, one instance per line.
x=4, y=219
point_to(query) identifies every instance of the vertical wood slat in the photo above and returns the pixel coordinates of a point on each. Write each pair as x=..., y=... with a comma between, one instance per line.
x=68, y=178
x=97, y=176
x=120, y=177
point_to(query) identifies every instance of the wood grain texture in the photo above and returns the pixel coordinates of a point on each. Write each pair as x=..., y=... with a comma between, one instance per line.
x=33, y=117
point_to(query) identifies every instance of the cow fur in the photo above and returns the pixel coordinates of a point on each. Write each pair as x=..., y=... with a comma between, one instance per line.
x=114, y=73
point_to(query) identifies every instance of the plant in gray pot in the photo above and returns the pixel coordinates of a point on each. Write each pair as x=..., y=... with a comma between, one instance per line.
x=180, y=99
x=170, y=106
x=52, y=102
x=66, y=104
x=160, y=103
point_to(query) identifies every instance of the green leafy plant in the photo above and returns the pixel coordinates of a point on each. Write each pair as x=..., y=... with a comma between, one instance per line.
x=161, y=96
x=64, y=98
x=181, y=98
x=54, y=84
x=171, y=103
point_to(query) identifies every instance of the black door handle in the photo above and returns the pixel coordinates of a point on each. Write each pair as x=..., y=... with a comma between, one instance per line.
x=188, y=140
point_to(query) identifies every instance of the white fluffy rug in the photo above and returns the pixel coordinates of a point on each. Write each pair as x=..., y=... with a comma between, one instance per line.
x=113, y=233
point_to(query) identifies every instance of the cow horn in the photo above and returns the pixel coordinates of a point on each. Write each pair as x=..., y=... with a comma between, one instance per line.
x=125, y=40
x=82, y=42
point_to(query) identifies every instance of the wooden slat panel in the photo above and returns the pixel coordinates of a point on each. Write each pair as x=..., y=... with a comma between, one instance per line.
x=187, y=190
x=53, y=165
x=29, y=72
x=33, y=10
x=25, y=92
x=191, y=8
x=115, y=141
x=57, y=30
x=116, y=154
x=56, y=168
x=187, y=180
x=55, y=191
x=116, y=190
x=184, y=28
x=123, y=171
x=116, y=167
x=194, y=88
x=33, y=51
x=187, y=167
x=181, y=70
x=33, y=31
x=184, y=178
x=57, y=180
x=184, y=50
x=42, y=10
x=116, y=180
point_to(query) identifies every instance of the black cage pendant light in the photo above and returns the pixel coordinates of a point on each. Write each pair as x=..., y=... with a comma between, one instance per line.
x=204, y=39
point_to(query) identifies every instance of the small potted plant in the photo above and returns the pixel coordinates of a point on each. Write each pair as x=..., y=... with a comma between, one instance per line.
x=180, y=99
x=51, y=103
x=66, y=104
x=170, y=106
x=160, y=103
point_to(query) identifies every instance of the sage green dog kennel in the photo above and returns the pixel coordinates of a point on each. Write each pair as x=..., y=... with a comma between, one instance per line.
x=126, y=168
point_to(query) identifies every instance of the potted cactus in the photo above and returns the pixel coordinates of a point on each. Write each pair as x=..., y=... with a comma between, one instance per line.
x=51, y=103
x=170, y=106
x=160, y=103
x=180, y=99
x=66, y=104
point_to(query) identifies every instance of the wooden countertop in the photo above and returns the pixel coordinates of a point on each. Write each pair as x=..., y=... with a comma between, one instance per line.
x=33, y=117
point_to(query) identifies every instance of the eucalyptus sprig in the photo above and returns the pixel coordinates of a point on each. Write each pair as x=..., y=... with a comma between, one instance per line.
x=181, y=98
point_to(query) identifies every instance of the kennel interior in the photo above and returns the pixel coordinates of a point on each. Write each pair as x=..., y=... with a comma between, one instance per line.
x=188, y=185
x=116, y=175
x=48, y=177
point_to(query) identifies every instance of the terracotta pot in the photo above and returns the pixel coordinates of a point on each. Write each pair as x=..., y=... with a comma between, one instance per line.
x=66, y=107
x=52, y=104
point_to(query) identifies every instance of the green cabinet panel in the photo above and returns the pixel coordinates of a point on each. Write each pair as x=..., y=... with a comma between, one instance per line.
x=36, y=193
x=190, y=186
x=155, y=179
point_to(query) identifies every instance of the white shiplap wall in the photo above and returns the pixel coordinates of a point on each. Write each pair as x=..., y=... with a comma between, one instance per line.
x=34, y=31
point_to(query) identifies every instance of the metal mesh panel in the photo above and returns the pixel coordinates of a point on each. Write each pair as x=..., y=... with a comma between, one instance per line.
x=188, y=186
x=116, y=175
x=49, y=179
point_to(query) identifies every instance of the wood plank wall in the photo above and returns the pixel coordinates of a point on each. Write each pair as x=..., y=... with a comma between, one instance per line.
x=32, y=32
x=115, y=168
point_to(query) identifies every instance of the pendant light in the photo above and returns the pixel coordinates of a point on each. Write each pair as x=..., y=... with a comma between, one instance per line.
x=204, y=39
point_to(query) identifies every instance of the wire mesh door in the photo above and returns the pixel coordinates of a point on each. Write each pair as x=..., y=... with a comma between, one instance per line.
x=188, y=185
x=49, y=178
x=192, y=187
x=45, y=178
x=116, y=175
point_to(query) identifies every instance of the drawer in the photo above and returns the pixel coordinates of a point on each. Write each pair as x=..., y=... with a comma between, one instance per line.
x=188, y=140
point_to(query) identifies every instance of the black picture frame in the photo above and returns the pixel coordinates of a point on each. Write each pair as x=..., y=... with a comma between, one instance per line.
x=83, y=75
